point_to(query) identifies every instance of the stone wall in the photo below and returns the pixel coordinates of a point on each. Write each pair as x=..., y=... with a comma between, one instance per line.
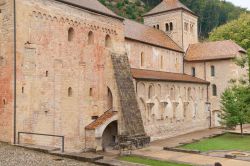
x=172, y=108
x=178, y=18
x=63, y=76
x=225, y=70
x=155, y=58
x=6, y=70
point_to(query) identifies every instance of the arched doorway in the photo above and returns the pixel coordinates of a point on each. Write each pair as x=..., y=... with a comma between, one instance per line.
x=109, y=99
x=109, y=136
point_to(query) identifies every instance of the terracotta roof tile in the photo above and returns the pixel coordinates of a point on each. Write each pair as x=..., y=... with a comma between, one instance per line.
x=101, y=120
x=213, y=50
x=93, y=5
x=149, y=35
x=168, y=5
x=165, y=76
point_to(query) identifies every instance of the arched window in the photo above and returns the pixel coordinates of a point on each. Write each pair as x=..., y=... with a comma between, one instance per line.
x=167, y=27
x=192, y=28
x=91, y=92
x=189, y=94
x=193, y=71
x=161, y=62
x=71, y=34
x=151, y=92
x=214, y=90
x=108, y=42
x=171, y=26
x=110, y=99
x=154, y=26
x=142, y=59
x=46, y=73
x=70, y=92
x=22, y=89
x=158, y=26
x=4, y=101
x=212, y=71
x=91, y=38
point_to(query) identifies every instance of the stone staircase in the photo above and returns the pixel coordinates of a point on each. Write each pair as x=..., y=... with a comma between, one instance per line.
x=131, y=115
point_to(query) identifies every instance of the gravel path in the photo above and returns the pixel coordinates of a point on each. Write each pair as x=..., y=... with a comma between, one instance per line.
x=16, y=156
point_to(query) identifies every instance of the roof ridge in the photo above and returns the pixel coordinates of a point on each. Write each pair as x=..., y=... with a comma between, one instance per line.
x=168, y=5
x=158, y=31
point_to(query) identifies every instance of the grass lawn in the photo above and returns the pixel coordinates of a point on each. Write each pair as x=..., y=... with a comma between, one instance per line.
x=145, y=161
x=224, y=142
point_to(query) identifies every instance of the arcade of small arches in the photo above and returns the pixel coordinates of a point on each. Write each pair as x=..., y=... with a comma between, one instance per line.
x=171, y=103
x=71, y=35
x=169, y=27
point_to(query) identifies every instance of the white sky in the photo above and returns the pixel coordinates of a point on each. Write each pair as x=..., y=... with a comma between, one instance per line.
x=241, y=3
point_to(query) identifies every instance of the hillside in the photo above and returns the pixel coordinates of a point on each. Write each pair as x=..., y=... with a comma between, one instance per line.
x=212, y=13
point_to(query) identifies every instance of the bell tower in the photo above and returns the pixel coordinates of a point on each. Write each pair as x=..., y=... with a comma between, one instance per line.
x=176, y=20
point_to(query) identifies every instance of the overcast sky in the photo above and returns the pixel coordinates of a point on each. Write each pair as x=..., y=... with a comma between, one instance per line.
x=242, y=3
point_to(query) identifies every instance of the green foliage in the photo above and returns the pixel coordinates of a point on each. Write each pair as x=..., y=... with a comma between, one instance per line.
x=224, y=142
x=235, y=103
x=237, y=30
x=212, y=13
x=149, y=162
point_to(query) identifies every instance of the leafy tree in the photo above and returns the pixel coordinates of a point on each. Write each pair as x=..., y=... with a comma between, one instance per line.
x=236, y=106
x=238, y=31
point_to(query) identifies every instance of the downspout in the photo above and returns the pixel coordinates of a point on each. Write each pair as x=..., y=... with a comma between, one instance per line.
x=14, y=5
x=208, y=103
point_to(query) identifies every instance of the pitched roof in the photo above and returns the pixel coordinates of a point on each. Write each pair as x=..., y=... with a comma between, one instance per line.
x=91, y=5
x=149, y=35
x=101, y=120
x=165, y=76
x=168, y=5
x=226, y=49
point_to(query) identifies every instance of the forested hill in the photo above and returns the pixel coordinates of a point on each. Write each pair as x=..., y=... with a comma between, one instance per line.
x=212, y=13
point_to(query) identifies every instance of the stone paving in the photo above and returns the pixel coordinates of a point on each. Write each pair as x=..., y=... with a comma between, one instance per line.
x=155, y=150
x=16, y=156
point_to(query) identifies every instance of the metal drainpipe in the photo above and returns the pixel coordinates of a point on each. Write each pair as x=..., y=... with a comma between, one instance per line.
x=14, y=5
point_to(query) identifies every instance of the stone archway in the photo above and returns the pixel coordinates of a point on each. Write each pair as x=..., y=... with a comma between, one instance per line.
x=109, y=136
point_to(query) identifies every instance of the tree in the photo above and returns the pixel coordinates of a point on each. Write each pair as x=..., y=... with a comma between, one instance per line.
x=236, y=106
x=238, y=31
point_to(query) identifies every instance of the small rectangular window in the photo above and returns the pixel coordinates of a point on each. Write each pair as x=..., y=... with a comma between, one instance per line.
x=193, y=72
x=212, y=71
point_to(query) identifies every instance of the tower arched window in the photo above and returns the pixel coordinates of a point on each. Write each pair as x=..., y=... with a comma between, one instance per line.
x=70, y=92
x=214, y=90
x=71, y=34
x=171, y=26
x=91, y=38
x=167, y=27
x=108, y=42
x=158, y=26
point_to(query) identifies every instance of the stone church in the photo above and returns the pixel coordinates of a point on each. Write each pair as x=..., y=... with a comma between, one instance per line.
x=75, y=69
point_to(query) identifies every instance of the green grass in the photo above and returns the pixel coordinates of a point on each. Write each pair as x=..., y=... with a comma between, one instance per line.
x=145, y=161
x=224, y=142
